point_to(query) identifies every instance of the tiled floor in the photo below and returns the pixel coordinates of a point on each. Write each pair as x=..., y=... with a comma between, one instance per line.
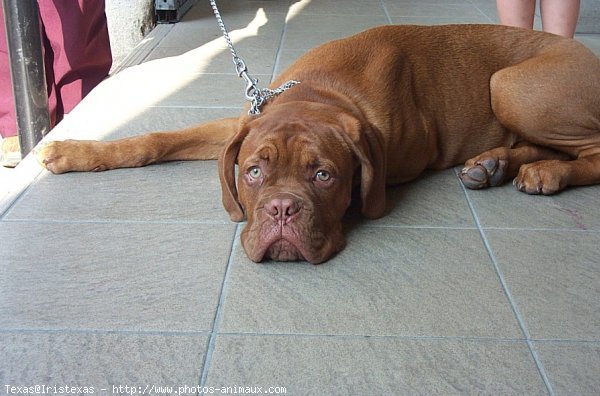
x=136, y=278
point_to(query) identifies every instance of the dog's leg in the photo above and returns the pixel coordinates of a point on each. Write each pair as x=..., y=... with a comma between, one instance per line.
x=552, y=100
x=494, y=167
x=550, y=176
x=201, y=142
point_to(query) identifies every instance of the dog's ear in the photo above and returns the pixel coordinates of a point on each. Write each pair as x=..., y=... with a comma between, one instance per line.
x=367, y=145
x=227, y=162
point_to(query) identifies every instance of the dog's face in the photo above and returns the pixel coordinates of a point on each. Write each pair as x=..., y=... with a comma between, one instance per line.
x=295, y=176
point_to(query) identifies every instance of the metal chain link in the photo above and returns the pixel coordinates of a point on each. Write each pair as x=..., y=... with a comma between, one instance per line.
x=256, y=96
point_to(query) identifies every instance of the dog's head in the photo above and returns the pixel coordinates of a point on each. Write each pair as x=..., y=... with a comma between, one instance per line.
x=296, y=164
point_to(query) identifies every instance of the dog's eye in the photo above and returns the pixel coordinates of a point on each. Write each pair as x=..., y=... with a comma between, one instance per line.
x=255, y=172
x=323, y=176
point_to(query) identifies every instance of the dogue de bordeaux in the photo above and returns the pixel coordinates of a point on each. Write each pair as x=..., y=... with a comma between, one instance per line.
x=377, y=109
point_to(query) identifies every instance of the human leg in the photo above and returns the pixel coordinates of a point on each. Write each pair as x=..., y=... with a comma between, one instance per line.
x=560, y=16
x=8, y=123
x=517, y=13
x=77, y=49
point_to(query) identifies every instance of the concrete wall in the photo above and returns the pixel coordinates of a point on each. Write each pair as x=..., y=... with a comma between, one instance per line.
x=128, y=22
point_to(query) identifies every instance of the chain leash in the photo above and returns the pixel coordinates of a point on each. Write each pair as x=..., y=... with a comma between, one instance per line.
x=255, y=95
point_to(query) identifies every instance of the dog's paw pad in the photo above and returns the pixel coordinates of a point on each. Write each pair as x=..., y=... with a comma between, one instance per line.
x=474, y=177
x=488, y=172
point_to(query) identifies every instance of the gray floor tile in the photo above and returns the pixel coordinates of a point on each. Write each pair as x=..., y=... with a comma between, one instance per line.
x=435, y=199
x=228, y=7
x=287, y=57
x=307, y=40
x=101, y=361
x=588, y=24
x=334, y=23
x=258, y=61
x=348, y=7
x=164, y=277
x=572, y=368
x=592, y=41
x=417, y=282
x=138, y=122
x=189, y=37
x=324, y=28
x=166, y=52
x=174, y=192
x=247, y=30
x=420, y=9
x=439, y=20
x=172, y=82
x=505, y=207
x=553, y=277
x=229, y=86
x=375, y=366
x=487, y=8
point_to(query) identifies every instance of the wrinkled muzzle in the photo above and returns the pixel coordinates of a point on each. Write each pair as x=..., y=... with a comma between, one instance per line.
x=285, y=227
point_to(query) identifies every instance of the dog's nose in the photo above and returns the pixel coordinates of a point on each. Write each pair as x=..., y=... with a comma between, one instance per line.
x=282, y=208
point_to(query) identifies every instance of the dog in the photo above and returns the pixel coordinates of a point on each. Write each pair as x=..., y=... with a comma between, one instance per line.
x=377, y=109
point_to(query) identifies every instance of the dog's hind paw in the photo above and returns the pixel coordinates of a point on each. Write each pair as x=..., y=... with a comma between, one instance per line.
x=483, y=173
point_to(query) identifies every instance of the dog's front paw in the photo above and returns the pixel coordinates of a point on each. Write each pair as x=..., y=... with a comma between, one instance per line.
x=542, y=177
x=488, y=172
x=64, y=156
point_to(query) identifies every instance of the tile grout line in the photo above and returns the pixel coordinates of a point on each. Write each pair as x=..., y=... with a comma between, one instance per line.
x=35, y=220
x=417, y=227
x=155, y=46
x=400, y=337
x=481, y=12
x=274, y=73
x=106, y=332
x=115, y=221
x=386, y=12
x=351, y=336
x=195, y=107
x=144, y=48
x=562, y=230
x=219, y=311
x=229, y=74
x=19, y=197
x=508, y=294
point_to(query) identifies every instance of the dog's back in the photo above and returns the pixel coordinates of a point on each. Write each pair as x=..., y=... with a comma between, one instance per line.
x=433, y=81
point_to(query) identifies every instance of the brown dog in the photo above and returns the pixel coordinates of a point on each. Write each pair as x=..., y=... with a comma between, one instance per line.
x=384, y=105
